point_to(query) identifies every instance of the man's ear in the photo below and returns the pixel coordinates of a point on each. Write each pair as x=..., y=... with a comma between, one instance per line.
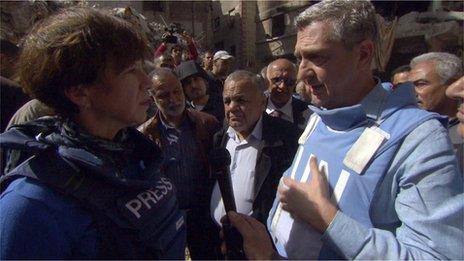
x=366, y=54
x=79, y=95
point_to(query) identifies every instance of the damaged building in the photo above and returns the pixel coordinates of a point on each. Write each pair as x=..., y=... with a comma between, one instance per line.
x=256, y=32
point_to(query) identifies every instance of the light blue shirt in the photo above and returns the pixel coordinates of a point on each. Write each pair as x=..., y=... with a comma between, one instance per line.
x=422, y=191
x=244, y=154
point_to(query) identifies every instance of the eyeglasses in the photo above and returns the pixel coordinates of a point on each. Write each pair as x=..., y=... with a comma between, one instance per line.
x=279, y=80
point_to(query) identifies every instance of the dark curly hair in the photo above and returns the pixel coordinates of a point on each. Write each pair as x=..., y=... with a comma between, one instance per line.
x=72, y=48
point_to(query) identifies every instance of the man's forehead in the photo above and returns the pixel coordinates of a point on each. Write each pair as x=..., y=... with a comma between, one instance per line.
x=422, y=70
x=165, y=83
x=314, y=37
x=239, y=88
x=281, y=66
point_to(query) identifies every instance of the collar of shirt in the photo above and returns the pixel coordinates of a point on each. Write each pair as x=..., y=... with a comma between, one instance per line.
x=287, y=113
x=373, y=103
x=256, y=134
x=182, y=126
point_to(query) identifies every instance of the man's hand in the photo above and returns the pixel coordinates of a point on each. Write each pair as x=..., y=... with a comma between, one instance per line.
x=309, y=201
x=256, y=242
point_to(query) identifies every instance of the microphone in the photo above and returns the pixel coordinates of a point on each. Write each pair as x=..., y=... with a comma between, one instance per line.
x=219, y=159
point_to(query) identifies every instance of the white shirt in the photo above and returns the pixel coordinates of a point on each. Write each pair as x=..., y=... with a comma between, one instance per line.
x=242, y=170
x=287, y=112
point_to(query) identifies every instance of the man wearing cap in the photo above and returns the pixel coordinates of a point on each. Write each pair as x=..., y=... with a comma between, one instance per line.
x=222, y=63
x=185, y=137
x=281, y=75
x=195, y=84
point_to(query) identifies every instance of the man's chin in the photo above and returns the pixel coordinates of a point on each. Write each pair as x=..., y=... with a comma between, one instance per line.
x=236, y=125
x=316, y=102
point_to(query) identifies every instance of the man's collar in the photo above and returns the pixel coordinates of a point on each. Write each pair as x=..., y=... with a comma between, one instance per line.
x=373, y=103
x=286, y=109
x=257, y=132
x=168, y=126
x=344, y=118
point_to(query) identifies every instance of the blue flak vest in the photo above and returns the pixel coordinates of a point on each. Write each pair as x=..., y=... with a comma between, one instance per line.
x=329, y=136
x=135, y=219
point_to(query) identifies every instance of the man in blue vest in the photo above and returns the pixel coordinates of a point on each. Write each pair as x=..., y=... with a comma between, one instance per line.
x=385, y=184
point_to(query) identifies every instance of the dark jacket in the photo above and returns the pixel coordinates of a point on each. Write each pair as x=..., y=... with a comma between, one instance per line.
x=214, y=106
x=91, y=189
x=280, y=142
x=299, y=108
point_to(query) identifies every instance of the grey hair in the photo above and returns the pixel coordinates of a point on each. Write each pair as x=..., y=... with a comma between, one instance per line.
x=241, y=75
x=353, y=20
x=160, y=74
x=448, y=66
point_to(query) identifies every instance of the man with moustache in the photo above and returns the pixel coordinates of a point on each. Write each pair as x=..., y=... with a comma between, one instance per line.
x=281, y=75
x=185, y=138
x=387, y=184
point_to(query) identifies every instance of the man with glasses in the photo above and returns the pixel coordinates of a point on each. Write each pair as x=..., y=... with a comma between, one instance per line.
x=281, y=75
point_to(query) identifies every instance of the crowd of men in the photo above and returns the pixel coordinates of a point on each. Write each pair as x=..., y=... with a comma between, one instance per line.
x=348, y=167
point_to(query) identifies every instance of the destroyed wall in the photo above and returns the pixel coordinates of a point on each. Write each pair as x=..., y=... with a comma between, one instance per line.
x=429, y=31
x=18, y=17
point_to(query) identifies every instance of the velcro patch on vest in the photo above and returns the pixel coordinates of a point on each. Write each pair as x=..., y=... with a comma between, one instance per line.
x=144, y=206
x=362, y=151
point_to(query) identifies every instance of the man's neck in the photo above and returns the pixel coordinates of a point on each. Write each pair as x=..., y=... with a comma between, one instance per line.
x=172, y=121
x=366, y=85
x=243, y=135
x=448, y=108
x=279, y=105
x=216, y=74
x=201, y=101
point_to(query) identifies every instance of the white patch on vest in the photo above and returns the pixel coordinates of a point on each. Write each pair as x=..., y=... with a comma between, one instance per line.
x=364, y=149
